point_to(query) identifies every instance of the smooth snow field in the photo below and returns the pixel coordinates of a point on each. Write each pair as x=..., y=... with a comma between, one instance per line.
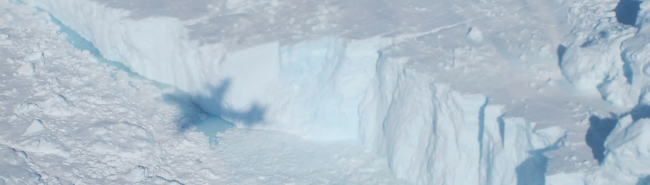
x=427, y=92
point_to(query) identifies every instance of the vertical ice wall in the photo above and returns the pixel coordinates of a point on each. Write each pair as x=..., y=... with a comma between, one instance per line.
x=326, y=89
x=151, y=47
x=434, y=135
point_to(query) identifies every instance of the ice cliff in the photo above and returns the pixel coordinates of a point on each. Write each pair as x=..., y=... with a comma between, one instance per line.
x=434, y=135
x=332, y=89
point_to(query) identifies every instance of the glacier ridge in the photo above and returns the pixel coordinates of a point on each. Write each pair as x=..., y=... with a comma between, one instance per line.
x=324, y=89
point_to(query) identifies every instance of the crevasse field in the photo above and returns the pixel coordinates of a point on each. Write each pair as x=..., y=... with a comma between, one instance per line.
x=426, y=92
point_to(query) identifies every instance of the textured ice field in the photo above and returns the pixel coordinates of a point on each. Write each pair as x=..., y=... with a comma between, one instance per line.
x=444, y=92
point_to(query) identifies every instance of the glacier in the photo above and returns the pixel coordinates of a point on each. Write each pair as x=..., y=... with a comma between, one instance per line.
x=338, y=88
x=282, y=73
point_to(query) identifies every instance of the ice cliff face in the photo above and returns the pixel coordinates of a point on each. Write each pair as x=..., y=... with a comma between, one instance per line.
x=434, y=135
x=330, y=89
x=312, y=88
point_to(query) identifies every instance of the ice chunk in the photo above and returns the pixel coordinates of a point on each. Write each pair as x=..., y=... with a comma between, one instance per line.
x=600, y=65
x=34, y=56
x=136, y=175
x=628, y=149
x=475, y=35
x=56, y=106
x=587, y=67
x=27, y=69
x=25, y=108
x=36, y=126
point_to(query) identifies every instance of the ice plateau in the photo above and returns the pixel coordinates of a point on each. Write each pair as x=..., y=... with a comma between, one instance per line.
x=341, y=73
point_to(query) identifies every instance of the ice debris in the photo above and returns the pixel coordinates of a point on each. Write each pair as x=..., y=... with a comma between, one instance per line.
x=36, y=126
x=475, y=35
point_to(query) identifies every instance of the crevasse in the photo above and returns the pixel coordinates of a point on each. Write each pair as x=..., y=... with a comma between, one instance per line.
x=324, y=89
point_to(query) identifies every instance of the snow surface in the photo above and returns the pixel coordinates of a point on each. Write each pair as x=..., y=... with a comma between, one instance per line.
x=449, y=92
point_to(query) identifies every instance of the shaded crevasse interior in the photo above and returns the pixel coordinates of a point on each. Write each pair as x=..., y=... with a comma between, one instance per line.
x=325, y=89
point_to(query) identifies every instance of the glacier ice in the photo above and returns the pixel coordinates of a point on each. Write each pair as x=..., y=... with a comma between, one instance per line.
x=434, y=135
x=332, y=89
x=27, y=69
x=611, y=61
x=595, y=64
x=219, y=79
x=628, y=149
x=475, y=35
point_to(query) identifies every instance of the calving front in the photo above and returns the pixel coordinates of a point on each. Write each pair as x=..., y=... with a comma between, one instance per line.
x=328, y=87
